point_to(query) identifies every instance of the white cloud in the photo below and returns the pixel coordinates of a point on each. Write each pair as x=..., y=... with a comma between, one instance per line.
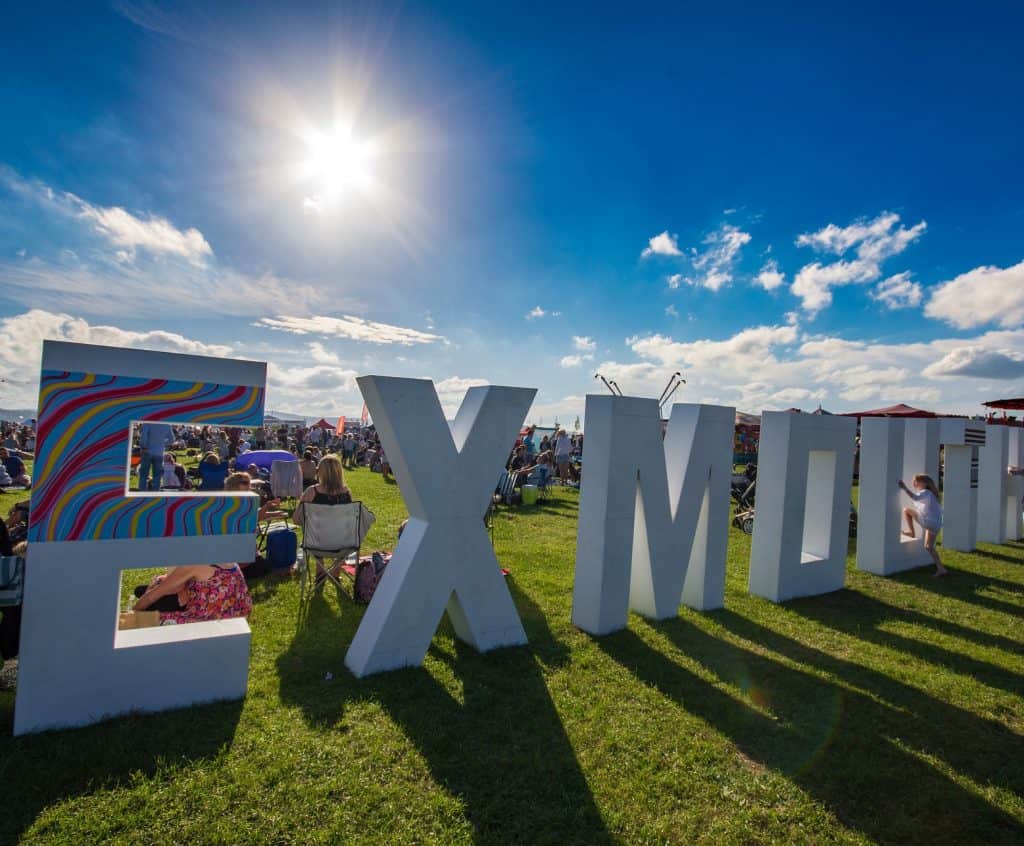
x=452, y=391
x=898, y=292
x=671, y=311
x=584, y=343
x=23, y=335
x=770, y=276
x=155, y=234
x=980, y=296
x=575, y=360
x=117, y=226
x=352, y=328
x=306, y=380
x=875, y=241
x=535, y=313
x=321, y=355
x=978, y=363
x=675, y=280
x=715, y=264
x=662, y=245
x=780, y=366
x=458, y=385
x=125, y=265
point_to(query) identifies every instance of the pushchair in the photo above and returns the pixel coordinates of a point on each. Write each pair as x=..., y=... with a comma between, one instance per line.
x=744, y=520
x=743, y=488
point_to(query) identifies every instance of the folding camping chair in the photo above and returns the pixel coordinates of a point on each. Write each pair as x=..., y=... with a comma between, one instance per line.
x=507, y=485
x=336, y=532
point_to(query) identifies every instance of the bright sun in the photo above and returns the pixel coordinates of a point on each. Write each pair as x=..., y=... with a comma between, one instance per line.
x=338, y=163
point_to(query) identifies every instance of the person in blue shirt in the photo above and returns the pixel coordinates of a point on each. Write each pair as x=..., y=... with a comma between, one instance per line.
x=153, y=438
x=529, y=443
x=212, y=472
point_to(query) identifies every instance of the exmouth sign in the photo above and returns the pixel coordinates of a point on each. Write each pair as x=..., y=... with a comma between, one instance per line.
x=653, y=520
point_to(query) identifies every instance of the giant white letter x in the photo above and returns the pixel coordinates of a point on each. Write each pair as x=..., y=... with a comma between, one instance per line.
x=444, y=558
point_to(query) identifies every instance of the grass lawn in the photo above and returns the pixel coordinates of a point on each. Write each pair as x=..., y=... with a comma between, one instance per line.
x=892, y=711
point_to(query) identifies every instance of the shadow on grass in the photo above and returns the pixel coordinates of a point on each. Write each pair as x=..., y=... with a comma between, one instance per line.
x=41, y=770
x=967, y=586
x=502, y=750
x=860, y=616
x=1000, y=556
x=839, y=742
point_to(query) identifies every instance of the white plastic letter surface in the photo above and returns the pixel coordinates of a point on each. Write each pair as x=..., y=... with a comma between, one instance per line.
x=890, y=450
x=999, y=495
x=654, y=515
x=85, y=527
x=444, y=558
x=961, y=440
x=802, y=521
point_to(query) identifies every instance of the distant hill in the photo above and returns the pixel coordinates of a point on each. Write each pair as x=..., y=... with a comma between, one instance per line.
x=285, y=415
x=16, y=413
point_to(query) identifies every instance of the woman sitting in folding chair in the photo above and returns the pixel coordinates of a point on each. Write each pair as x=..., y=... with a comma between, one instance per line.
x=329, y=489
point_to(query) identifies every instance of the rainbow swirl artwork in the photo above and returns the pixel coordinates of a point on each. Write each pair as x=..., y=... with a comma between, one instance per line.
x=83, y=449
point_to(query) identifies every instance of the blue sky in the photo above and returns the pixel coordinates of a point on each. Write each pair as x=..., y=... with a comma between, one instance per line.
x=793, y=206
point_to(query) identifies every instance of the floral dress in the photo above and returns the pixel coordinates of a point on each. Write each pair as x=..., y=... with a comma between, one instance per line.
x=222, y=595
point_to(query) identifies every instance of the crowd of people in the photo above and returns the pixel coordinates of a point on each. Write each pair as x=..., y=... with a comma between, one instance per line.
x=160, y=453
x=157, y=447
x=537, y=462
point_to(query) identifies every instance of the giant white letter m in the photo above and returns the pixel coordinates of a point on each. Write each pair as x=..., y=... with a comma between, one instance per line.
x=653, y=513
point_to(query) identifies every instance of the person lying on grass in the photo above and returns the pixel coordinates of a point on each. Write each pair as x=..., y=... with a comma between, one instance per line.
x=927, y=512
x=197, y=593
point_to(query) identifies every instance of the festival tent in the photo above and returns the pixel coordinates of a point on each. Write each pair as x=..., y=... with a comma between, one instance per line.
x=263, y=458
x=323, y=424
x=898, y=410
x=1006, y=404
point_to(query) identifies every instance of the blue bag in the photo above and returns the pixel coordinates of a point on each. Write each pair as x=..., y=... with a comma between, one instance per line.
x=282, y=548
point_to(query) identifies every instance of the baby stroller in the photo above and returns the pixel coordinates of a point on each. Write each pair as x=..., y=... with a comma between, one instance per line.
x=744, y=520
x=743, y=488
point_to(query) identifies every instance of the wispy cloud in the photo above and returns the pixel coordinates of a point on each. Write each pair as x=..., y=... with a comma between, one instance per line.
x=574, y=360
x=874, y=240
x=537, y=312
x=105, y=261
x=352, y=328
x=123, y=230
x=584, y=343
x=714, y=264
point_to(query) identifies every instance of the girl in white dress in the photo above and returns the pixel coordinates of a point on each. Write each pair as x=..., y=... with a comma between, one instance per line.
x=927, y=512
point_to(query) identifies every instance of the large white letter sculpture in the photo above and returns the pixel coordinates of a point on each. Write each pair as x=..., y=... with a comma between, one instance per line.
x=999, y=495
x=890, y=450
x=801, y=529
x=85, y=528
x=654, y=516
x=961, y=440
x=444, y=559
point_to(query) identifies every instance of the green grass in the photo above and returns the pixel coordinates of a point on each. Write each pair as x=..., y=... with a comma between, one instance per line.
x=892, y=712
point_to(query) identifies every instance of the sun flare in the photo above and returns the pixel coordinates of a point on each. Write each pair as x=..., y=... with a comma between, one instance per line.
x=338, y=163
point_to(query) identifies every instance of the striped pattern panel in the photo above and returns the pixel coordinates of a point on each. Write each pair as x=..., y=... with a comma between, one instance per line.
x=83, y=448
x=974, y=435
